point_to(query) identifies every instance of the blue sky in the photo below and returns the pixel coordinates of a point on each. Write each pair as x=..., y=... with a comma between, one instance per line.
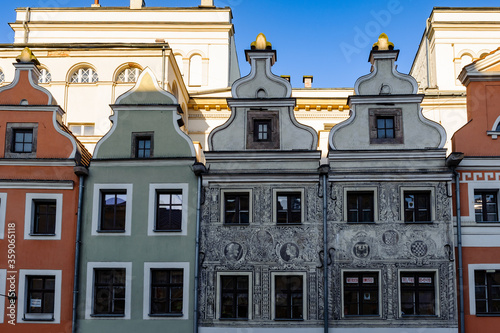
x=330, y=40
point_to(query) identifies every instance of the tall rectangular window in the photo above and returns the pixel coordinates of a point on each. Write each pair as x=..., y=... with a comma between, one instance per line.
x=113, y=209
x=236, y=208
x=262, y=130
x=385, y=127
x=40, y=296
x=109, y=291
x=417, y=206
x=361, y=294
x=360, y=207
x=234, y=297
x=486, y=205
x=289, y=293
x=288, y=208
x=487, y=289
x=168, y=210
x=44, y=217
x=166, y=292
x=418, y=294
x=23, y=141
x=143, y=148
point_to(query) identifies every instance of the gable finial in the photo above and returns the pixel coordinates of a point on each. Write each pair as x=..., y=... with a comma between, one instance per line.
x=27, y=56
x=383, y=43
x=261, y=43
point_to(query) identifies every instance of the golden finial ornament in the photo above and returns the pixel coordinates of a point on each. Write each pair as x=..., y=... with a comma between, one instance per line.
x=27, y=56
x=261, y=43
x=383, y=43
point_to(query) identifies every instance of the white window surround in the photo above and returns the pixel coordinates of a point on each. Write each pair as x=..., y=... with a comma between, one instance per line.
x=250, y=291
x=89, y=292
x=494, y=133
x=436, y=286
x=147, y=288
x=362, y=271
x=153, y=188
x=432, y=206
x=84, y=75
x=29, y=214
x=472, y=290
x=3, y=205
x=304, y=291
x=373, y=189
x=236, y=190
x=3, y=288
x=96, y=209
x=21, y=297
x=473, y=186
x=288, y=190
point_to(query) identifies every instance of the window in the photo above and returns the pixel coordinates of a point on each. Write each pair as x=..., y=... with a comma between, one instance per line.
x=84, y=75
x=195, y=70
x=130, y=74
x=168, y=210
x=82, y=129
x=262, y=130
x=2, y=76
x=289, y=297
x=361, y=294
x=417, y=206
x=109, y=291
x=234, y=296
x=45, y=76
x=487, y=290
x=360, y=207
x=39, y=296
x=113, y=210
x=236, y=208
x=44, y=219
x=486, y=205
x=418, y=294
x=386, y=126
x=23, y=141
x=142, y=144
x=288, y=208
x=166, y=292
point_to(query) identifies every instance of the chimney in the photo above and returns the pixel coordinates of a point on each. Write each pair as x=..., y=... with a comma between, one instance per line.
x=286, y=77
x=207, y=3
x=137, y=4
x=308, y=80
x=96, y=4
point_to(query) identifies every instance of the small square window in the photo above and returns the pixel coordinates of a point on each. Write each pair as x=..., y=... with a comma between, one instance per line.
x=113, y=211
x=360, y=207
x=288, y=207
x=20, y=140
x=168, y=210
x=262, y=130
x=234, y=297
x=23, y=141
x=109, y=292
x=417, y=206
x=386, y=126
x=142, y=145
x=236, y=208
x=361, y=294
x=44, y=217
x=288, y=297
x=487, y=291
x=40, y=297
x=486, y=205
x=166, y=292
x=418, y=294
x=82, y=129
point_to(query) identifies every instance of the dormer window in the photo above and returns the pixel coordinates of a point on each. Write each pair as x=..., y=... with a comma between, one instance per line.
x=263, y=129
x=142, y=145
x=21, y=140
x=386, y=126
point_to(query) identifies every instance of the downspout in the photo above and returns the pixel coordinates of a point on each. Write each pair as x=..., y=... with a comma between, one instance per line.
x=198, y=169
x=81, y=172
x=324, y=169
x=427, y=53
x=25, y=25
x=163, y=67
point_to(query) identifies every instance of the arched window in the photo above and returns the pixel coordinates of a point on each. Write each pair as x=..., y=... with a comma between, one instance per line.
x=498, y=128
x=195, y=70
x=180, y=62
x=466, y=59
x=130, y=74
x=45, y=76
x=2, y=76
x=84, y=75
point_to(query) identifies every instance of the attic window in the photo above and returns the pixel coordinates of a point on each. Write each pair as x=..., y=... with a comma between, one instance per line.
x=142, y=145
x=386, y=126
x=263, y=130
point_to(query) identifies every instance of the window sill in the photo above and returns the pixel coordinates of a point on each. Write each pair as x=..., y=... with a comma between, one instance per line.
x=363, y=222
x=487, y=314
x=418, y=316
x=38, y=317
x=42, y=235
x=289, y=224
x=487, y=222
x=165, y=315
x=233, y=319
x=288, y=319
x=352, y=317
x=173, y=230
x=419, y=222
x=107, y=315
x=110, y=231
x=236, y=224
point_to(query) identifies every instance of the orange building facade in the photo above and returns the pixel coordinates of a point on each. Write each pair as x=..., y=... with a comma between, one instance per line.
x=479, y=183
x=41, y=165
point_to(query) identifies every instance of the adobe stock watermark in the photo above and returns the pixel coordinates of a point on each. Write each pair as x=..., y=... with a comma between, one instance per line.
x=11, y=273
x=372, y=29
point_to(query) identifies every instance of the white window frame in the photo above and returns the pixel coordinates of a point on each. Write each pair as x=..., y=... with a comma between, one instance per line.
x=153, y=188
x=96, y=209
x=29, y=214
x=304, y=292
x=3, y=291
x=3, y=209
x=432, y=203
x=82, y=130
x=89, y=292
x=436, y=290
x=225, y=191
x=137, y=73
x=288, y=190
x=79, y=74
x=343, y=271
x=45, y=76
x=22, y=293
x=218, y=296
x=373, y=189
x=147, y=289
x=472, y=290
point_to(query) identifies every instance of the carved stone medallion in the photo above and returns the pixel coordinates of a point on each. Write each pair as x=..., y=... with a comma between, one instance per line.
x=289, y=251
x=390, y=237
x=418, y=248
x=233, y=251
x=361, y=250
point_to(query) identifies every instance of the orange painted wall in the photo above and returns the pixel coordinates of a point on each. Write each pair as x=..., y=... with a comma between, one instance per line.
x=23, y=90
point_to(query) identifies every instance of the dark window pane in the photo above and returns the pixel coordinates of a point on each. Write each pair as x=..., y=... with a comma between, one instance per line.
x=288, y=297
x=288, y=208
x=113, y=211
x=166, y=291
x=168, y=211
x=236, y=208
x=109, y=291
x=234, y=296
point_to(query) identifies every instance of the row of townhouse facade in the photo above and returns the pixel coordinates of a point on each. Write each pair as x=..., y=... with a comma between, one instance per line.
x=261, y=232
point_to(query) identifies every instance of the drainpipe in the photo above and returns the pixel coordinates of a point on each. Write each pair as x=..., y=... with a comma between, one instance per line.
x=81, y=172
x=25, y=25
x=427, y=24
x=452, y=161
x=163, y=67
x=198, y=169
x=323, y=170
